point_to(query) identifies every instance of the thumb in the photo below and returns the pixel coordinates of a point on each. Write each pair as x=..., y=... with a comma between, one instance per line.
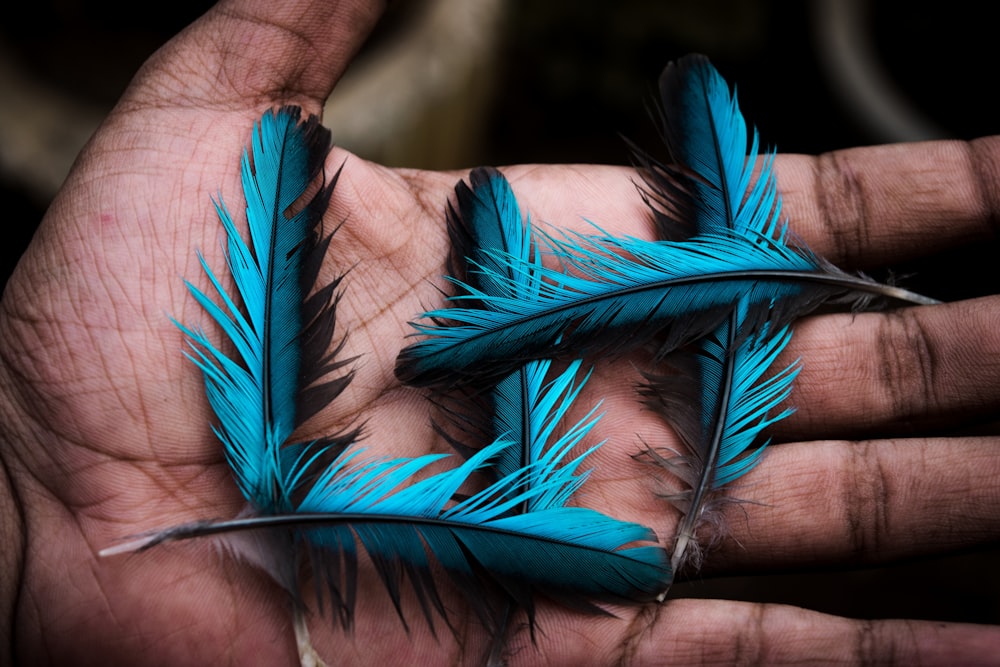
x=245, y=54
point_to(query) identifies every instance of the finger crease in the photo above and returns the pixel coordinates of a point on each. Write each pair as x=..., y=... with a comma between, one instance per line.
x=907, y=366
x=750, y=639
x=984, y=178
x=867, y=496
x=840, y=199
x=864, y=644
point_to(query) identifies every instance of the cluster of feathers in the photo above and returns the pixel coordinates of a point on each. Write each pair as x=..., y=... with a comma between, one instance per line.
x=715, y=296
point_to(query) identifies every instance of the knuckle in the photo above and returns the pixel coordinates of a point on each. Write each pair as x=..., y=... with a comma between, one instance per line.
x=749, y=643
x=984, y=173
x=866, y=498
x=841, y=201
x=906, y=372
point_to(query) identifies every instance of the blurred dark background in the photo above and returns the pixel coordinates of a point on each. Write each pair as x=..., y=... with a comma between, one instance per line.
x=491, y=82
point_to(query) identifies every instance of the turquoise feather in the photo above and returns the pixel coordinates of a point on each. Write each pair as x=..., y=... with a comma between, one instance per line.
x=613, y=294
x=708, y=186
x=526, y=407
x=256, y=397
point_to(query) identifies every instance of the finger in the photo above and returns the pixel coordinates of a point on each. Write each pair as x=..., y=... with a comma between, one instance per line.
x=865, y=207
x=694, y=632
x=255, y=51
x=895, y=373
x=838, y=502
x=716, y=632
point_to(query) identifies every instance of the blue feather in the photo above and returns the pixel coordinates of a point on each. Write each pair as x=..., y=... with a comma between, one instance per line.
x=526, y=407
x=574, y=555
x=529, y=409
x=708, y=186
x=321, y=500
x=487, y=222
x=257, y=400
x=725, y=379
x=543, y=551
x=708, y=183
x=617, y=293
x=679, y=291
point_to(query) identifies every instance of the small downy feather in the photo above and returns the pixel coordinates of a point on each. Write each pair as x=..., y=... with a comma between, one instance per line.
x=320, y=501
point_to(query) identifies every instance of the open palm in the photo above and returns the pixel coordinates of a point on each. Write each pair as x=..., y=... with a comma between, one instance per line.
x=106, y=425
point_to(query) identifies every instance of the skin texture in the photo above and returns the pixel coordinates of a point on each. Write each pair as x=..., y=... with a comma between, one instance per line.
x=106, y=426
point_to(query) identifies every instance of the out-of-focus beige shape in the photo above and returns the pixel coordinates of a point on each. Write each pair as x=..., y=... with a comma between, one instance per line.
x=420, y=99
x=41, y=130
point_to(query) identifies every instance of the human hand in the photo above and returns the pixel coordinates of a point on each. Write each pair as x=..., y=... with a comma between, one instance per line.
x=106, y=425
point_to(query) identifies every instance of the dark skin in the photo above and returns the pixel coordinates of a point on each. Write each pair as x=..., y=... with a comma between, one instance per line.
x=106, y=425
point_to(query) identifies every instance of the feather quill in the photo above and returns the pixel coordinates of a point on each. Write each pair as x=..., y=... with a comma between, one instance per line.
x=320, y=501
